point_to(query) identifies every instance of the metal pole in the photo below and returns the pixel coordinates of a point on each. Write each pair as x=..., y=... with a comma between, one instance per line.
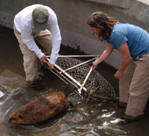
x=80, y=64
x=70, y=77
x=80, y=89
x=75, y=56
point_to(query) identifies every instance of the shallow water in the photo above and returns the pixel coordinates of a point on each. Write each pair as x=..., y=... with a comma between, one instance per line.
x=83, y=119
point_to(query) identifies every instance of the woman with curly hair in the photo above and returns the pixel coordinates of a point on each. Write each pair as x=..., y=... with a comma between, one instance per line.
x=132, y=42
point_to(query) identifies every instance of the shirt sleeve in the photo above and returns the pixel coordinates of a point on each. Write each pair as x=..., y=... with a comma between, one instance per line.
x=117, y=39
x=28, y=39
x=56, y=38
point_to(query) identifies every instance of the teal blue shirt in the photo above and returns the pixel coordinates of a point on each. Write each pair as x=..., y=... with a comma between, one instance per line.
x=136, y=38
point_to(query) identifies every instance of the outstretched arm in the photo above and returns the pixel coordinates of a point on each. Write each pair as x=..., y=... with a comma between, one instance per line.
x=106, y=53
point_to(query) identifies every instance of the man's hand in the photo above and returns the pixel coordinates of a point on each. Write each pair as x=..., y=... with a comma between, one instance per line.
x=44, y=59
x=50, y=65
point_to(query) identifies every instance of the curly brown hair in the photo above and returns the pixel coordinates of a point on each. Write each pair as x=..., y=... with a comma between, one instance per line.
x=103, y=22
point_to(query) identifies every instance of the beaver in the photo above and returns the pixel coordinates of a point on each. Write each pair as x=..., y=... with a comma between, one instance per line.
x=42, y=108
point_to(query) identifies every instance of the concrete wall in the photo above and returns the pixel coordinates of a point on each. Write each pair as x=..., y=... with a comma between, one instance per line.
x=72, y=17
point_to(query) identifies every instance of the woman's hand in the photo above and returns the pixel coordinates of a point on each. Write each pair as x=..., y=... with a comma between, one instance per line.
x=105, y=54
x=126, y=58
x=94, y=64
x=118, y=74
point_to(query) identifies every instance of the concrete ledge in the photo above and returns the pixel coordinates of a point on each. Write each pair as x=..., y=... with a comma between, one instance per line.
x=72, y=18
x=116, y=3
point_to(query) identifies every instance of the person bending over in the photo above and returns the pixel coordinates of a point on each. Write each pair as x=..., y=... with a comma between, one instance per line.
x=36, y=28
x=132, y=42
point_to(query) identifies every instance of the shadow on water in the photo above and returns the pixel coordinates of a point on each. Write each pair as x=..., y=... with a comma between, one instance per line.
x=83, y=119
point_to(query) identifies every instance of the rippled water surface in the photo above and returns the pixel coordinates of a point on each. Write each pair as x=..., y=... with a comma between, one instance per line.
x=82, y=119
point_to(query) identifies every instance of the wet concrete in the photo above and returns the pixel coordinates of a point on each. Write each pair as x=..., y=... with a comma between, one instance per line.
x=84, y=119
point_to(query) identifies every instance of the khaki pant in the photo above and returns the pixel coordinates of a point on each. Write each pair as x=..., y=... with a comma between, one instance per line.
x=31, y=62
x=134, y=86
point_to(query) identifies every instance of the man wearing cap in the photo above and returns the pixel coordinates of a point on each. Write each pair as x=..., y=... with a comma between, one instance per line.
x=37, y=24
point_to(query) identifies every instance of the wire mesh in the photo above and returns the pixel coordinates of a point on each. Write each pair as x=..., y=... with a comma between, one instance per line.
x=96, y=84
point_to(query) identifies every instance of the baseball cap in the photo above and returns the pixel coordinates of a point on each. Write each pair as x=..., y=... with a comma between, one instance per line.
x=40, y=17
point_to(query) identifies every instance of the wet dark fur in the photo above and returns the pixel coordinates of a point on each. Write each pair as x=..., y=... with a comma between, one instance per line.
x=40, y=109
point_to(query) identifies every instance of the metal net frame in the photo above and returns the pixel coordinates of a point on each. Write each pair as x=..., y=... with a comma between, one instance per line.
x=72, y=69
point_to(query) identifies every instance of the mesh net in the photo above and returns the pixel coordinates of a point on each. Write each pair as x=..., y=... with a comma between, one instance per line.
x=96, y=84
